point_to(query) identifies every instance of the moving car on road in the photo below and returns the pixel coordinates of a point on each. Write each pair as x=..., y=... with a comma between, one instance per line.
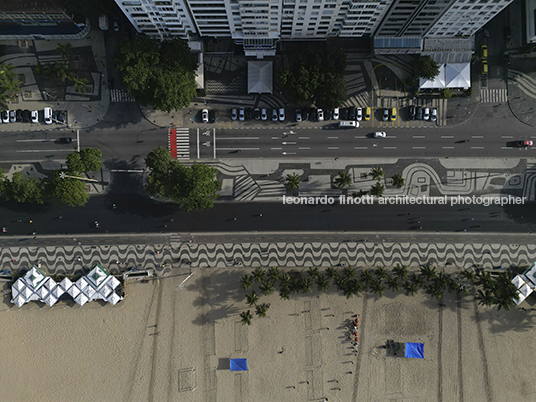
x=380, y=134
x=65, y=140
x=484, y=67
x=484, y=52
x=523, y=143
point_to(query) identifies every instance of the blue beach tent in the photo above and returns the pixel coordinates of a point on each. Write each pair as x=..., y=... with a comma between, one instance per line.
x=415, y=350
x=238, y=364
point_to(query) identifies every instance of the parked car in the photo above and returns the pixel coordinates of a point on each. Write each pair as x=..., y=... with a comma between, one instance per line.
x=327, y=115
x=257, y=113
x=352, y=112
x=281, y=114
x=367, y=113
x=12, y=116
x=116, y=25
x=264, y=116
x=306, y=114
x=359, y=114
x=484, y=52
x=65, y=140
x=18, y=115
x=344, y=114
x=241, y=114
x=336, y=113
x=418, y=112
x=26, y=116
x=35, y=116
x=380, y=134
x=484, y=67
x=298, y=115
x=204, y=116
x=234, y=114
x=274, y=114
x=56, y=117
x=385, y=116
x=411, y=112
x=433, y=115
x=63, y=117
x=393, y=113
x=249, y=113
x=212, y=114
x=313, y=115
x=320, y=115
x=5, y=116
x=526, y=143
x=426, y=115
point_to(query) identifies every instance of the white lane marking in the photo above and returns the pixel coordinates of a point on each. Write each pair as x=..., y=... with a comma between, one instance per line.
x=333, y=147
x=477, y=136
x=360, y=147
x=507, y=136
x=214, y=143
x=239, y=138
x=51, y=140
x=448, y=147
x=198, y=150
x=506, y=148
x=242, y=149
x=289, y=143
x=276, y=148
x=333, y=138
x=419, y=147
x=389, y=147
x=419, y=136
x=477, y=147
x=289, y=153
x=447, y=136
x=276, y=138
x=304, y=138
x=46, y=150
x=304, y=148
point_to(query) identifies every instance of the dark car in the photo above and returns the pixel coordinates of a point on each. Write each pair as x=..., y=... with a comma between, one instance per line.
x=344, y=113
x=18, y=115
x=313, y=115
x=56, y=116
x=525, y=143
x=65, y=140
x=62, y=118
x=249, y=113
x=418, y=113
x=257, y=113
x=26, y=116
x=352, y=113
x=305, y=114
x=212, y=115
x=411, y=112
x=327, y=114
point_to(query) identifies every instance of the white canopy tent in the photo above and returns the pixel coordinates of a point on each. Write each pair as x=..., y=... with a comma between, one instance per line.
x=458, y=75
x=260, y=77
x=437, y=82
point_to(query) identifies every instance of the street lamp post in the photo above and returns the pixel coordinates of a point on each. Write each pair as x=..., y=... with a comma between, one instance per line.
x=63, y=176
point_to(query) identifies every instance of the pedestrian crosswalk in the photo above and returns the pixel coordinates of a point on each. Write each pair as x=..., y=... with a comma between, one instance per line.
x=120, y=95
x=493, y=95
x=179, y=143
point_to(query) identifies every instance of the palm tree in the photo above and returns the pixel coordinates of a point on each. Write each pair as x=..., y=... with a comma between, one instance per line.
x=262, y=309
x=266, y=287
x=293, y=181
x=398, y=180
x=258, y=274
x=349, y=272
x=357, y=287
x=285, y=295
x=64, y=50
x=9, y=82
x=393, y=283
x=484, y=279
x=411, y=289
x=417, y=280
x=246, y=317
x=305, y=285
x=377, y=287
x=343, y=179
x=274, y=273
x=366, y=277
x=322, y=283
x=428, y=272
x=377, y=190
x=312, y=272
x=485, y=298
x=377, y=172
x=332, y=273
x=285, y=281
x=245, y=282
x=252, y=298
x=381, y=272
x=80, y=85
x=341, y=282
x=469, y=275
x=401, y=271
x=348, y=292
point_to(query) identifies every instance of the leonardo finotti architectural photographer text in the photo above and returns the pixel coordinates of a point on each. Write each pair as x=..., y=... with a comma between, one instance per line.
x=405, y=200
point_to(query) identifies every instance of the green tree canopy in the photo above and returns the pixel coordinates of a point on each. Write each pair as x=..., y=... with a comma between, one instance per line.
x=317, y=77
x=159, y=74
x=69, y=191
x=9, y=82
x=193, y=187
x=22, y=189
x=87, y=160
x=427, y=68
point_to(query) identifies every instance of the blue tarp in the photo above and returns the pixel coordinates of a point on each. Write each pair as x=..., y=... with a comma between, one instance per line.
x=238, y=364
x=415, y=350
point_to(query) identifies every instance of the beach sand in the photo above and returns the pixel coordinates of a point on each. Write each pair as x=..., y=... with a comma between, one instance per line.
x=163, y=343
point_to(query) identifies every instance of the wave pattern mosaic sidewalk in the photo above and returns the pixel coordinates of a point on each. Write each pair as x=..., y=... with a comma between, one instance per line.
x=78, y=260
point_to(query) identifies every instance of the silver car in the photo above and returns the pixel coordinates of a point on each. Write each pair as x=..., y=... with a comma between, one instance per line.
x=385, y=116
x=264, y=116
x=320, y=114
x=204, y=115
x=426, y=114
x=281, y=114
x=433, y=115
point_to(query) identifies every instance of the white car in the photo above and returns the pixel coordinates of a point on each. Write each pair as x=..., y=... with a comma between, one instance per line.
x=380, y=134
x=274, y=114
x=47, y=112
x=385, y=116
x=241, y=114
x=335, y=114
x=298, y=115
x=359, y=115
x=281, y=114
x=433, y=115
x=426, y=114
x=5, y=116
x=35, y=116
x=233, y=114
x=12, y=116
x=264, y=116
x=204, y=115
x=320, y=115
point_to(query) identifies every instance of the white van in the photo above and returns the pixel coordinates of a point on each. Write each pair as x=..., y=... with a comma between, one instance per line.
x=348, y=124
x=48, y=115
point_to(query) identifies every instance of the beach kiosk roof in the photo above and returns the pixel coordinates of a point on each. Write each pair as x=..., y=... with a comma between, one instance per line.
x=238, y=364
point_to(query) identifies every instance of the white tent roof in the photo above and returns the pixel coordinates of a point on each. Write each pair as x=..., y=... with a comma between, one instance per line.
x=525, y=290
x=458, y=75
x=34, y=277
x=42, y=292
x=105, y=291
x=66, y=284
x=81, y=283
x=530, y=275
x=521, y=298
x=50, y=283
x=73, y=291
x=437, y=82
x=18, y=285
x=113, y=282
x=57, y=292
x=97, y=276
x=19, y=300
x=260, y=77
x=26, y=293
x=81, y=299
x=50, y=299
x=113, y=298
x=518, y=281
x=89, y=291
